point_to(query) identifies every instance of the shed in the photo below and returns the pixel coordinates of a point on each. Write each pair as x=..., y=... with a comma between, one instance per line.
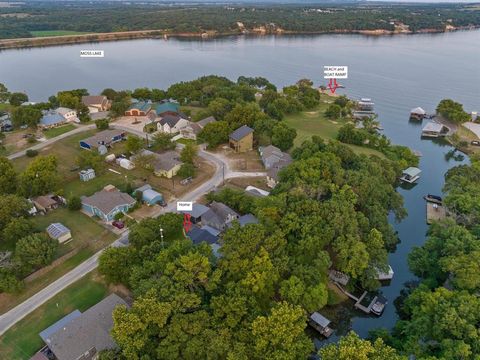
x=59, y=232
x=152, y=197
x=86, y=175
x=126, y=164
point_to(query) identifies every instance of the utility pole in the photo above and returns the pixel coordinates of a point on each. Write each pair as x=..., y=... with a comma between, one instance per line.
x=161, y=235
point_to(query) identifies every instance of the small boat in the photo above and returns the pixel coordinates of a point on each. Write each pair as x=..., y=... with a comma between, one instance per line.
x=433, y=199
x=379, y=305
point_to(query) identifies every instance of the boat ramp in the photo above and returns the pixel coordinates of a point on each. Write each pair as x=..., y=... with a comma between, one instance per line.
x=436, y=211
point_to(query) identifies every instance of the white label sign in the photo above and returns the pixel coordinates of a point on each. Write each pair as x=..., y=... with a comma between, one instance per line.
x=92, y=53
x=184, y=206
x=335, y=72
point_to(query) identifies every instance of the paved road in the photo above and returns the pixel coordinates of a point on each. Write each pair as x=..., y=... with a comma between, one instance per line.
x=222, y=171
x=43, y=144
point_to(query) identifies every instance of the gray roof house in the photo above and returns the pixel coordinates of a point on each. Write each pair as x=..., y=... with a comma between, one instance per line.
x=83, y=335
x=107, y=203
x=219, y=215
x=105, y=137
x=165, y=164
x=206, y=121
x=197, y=211
x=245, y=220
x=272, y=173
x=271, y=155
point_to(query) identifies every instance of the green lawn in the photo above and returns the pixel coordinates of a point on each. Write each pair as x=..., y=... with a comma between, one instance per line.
x=314, y=122
x=85, y=230
x=44, y=33
x=5, y=107
x=53, y=132
x=22, y=340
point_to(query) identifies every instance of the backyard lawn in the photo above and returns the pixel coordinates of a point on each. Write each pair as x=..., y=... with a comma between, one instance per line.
x=22, y=340
x=85, y=230
x=56, y=131
x=44, y=33
x=314, y=122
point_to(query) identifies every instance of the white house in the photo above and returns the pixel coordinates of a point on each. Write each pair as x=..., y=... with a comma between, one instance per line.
x=172, y=124
x=69, y=114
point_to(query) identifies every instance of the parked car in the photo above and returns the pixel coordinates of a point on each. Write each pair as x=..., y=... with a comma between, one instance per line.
x=118, y=224
x=475, y=142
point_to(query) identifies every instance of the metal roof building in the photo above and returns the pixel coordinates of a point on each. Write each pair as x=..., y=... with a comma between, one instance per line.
x=59, y=232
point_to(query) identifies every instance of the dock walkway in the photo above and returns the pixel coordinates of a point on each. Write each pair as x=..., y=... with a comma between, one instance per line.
x=435, y=212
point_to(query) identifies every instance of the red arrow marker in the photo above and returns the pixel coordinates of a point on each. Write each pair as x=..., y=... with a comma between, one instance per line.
x=332, y=85
x=187, y=224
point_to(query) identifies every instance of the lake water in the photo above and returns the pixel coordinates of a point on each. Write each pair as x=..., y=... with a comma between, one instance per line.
x=398, y=73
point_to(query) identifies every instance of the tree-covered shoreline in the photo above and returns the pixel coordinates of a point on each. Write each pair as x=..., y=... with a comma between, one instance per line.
x=103, y=17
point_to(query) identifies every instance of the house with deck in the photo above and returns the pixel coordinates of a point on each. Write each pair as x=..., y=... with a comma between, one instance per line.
x=107, y=203
x=241, y=140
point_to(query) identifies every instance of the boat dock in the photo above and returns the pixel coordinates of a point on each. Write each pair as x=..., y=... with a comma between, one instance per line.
x=435, y=212
x=367, y=309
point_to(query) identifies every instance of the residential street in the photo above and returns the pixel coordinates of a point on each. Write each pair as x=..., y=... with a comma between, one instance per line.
x=222, y=172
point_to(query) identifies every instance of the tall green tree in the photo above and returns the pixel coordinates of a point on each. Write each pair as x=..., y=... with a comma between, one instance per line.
x=352, y=347
x=8, y=177
x=281, y=335
x=17, y=98
x=40, y=177
x=36, y=250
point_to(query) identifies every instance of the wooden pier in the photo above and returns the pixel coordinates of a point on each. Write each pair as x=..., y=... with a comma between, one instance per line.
x=358, y=301
x=435, y=212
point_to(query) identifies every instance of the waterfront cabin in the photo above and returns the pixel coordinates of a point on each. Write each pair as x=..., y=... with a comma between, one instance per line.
x=321, y=324
x=411, y=175
x=417, y=114
x=434, y=130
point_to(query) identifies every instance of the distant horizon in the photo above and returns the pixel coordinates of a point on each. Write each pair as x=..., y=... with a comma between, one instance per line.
x=263, y=2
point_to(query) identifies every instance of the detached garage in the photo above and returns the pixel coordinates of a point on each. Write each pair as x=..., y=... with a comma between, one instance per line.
x=150, y=196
